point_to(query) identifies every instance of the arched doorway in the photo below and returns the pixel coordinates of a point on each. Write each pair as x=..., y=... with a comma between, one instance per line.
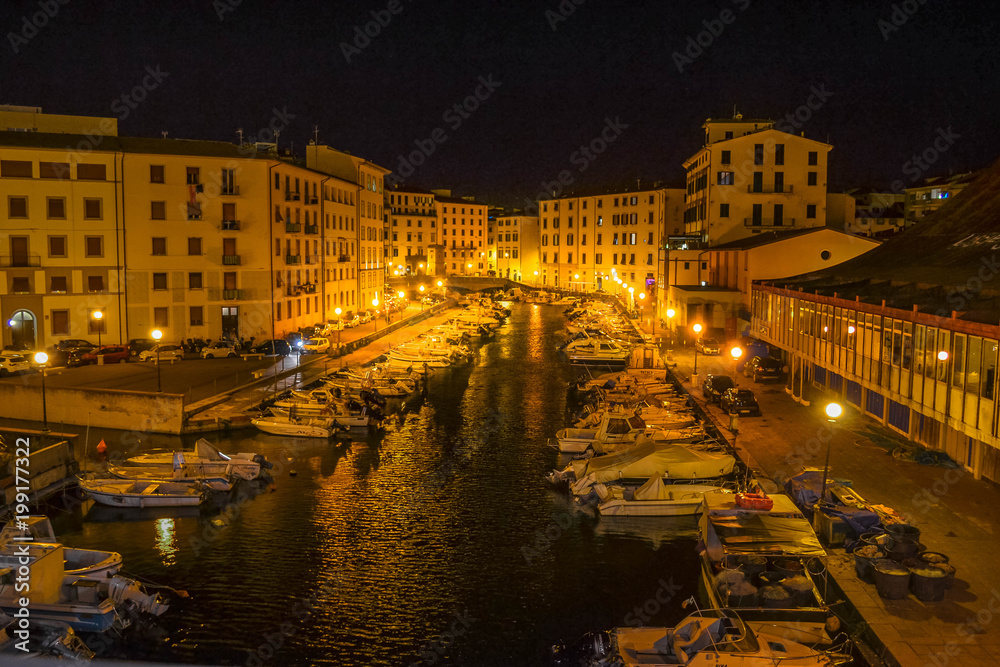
x=22, y=330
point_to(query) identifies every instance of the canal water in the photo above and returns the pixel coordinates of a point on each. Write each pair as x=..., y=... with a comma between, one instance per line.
x=437, y=542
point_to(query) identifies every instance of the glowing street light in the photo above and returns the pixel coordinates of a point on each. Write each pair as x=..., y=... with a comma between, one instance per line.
x=697, y=331
x=736, y=353
x=98, y=315
x=942, y=355
x=833, y=411
x=375, y=306
x=41, y=359
x=340, y=325
x=157, y=335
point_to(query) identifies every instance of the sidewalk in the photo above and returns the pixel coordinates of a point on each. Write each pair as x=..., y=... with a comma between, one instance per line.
x=957, y=515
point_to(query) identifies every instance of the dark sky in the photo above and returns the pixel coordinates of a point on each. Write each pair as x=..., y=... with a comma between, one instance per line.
x=893, y=87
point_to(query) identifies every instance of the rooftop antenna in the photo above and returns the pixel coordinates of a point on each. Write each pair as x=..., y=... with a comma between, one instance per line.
x=735, y=115
x=276, y=135
x=164, y=133
x=239, y=131
x=316, y=134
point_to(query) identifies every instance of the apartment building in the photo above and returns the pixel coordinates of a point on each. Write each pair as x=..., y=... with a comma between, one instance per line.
x=749, y=177
x=935, y=192
x=462, y=246
x=513, y=247
x=411, y=230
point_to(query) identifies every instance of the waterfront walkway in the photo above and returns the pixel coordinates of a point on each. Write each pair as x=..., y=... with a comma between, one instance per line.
x=957, y=515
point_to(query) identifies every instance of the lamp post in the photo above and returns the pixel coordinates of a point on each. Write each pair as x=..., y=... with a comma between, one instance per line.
x=99, y=315
x=421, y=289
x=375, y=306
x=833, y=411
x=41, y=359
x=943, y=358
x=340, y=325
x=157, y=335
x=697, y=332
x=670, y=325
x=736, y=353
x=642, y=310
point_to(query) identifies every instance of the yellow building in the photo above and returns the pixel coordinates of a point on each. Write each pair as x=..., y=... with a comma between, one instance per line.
x=411, y=230
x=513, y=251
x=922, y=200
x=750, y=177
x=31, y=119
x=462, y=246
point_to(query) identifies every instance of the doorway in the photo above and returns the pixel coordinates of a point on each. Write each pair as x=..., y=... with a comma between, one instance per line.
x=230, y=322
x=22, y=330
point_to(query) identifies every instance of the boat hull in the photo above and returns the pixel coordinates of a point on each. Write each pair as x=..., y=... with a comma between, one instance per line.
x=621, y=507
x=293, y=430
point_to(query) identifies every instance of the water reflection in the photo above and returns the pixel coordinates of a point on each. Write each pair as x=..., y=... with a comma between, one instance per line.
x=166, y=541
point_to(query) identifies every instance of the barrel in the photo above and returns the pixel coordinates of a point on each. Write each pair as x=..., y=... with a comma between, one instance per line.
x=892, y=580
x=903, y=530
x=928, y=583
x=752, y=564
x=903, y=547
x=774, y=597
x=880, y=540
x=789, y=567
x=863, y=557
x=765, y=579
x=940, y=561
x=800, y=591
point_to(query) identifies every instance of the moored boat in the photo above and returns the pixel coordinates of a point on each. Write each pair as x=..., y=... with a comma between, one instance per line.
x=654, y=498
x=142, y=493
x=301, y=427
x=204, y=460
x=38, y=529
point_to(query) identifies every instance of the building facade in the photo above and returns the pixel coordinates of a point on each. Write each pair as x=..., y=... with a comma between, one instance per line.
x=923, y=200
x=463, y=224
x=513, y=251
x=411, y=230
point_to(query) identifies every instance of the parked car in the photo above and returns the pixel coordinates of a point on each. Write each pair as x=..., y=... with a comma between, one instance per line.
x=13, y=362
x=708, y=346
x=272, y=347
x=317, y=345
x=739, y=402
x=137, y=345
x=364, y=317
x=763, y=368
x=715, y=386
x=163, y=351
x=113, y=354
x=221, y=348
x=351, y=321
x=59, y=353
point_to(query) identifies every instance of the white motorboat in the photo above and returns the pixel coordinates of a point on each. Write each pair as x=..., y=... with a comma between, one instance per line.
x=137, y=473
x=299, y=427
x=143, y=493
x=38, y=530
x=341, y=417
x=707, y=637
x=612, y=428
x=417, y=360
x=206, y=460
x=654, y=498
x=595, y=352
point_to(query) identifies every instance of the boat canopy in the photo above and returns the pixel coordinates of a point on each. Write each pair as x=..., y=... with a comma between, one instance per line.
x=649, y=460
x=781, y=531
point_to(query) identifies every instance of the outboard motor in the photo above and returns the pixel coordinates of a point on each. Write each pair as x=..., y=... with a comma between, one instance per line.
x=592, y=646
x=262, y=460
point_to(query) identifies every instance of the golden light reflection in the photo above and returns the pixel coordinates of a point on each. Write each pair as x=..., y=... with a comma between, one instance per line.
x=166, y=540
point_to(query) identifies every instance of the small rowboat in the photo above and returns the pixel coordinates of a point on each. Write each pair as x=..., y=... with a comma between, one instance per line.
x=143, y=493
x=754, y=501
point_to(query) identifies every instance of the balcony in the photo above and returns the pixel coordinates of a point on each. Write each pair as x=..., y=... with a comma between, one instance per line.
x=194, y=215
x=230, y=225
x=20, y=260
x=293, y=259
x=312, y=229
x=231, y=260
x=293, y=227
x=344, y=258
x=292, y=196
x=231, y=190
x=299, y=290
x=312, y=259
x=312, y=200
x=232, y=294
x=784, y=190
x=769, y=223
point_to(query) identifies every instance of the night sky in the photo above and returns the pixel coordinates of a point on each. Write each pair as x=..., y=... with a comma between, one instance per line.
x=890, y=75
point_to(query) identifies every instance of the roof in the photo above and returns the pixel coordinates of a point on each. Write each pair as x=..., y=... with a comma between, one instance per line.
x=945, y=262
x=611, y=190
x=459, y=200
x=766, y=238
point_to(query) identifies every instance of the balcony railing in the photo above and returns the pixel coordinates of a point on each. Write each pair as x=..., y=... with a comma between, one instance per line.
x=32, y=259
x=232, y=294
x=299, y=290
x=293, y=227
x=231, y=225
x=312, y=200
x=232, y=190
x=312, y=259
x=312, y=229
x=292, y=196
x=769, y=223
x=231, y=260
x=344, y=258
x=783, y=190
x=194, y=215
x=293, y=259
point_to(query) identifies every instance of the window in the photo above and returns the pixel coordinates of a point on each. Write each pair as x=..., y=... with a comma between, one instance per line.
x=812, y=178
x=91, y=172
x=779, y=154
x=92, y=209
x=20, y=285
x=687, y=265
x=159, y=281
x=758, y=181
x=158, y=210
x=813, y=158
x=159, y=245
x=156, y=173
x=729, y=135
x=228, y=212
x=56, y=208
x=599, y=258
x=15, y=169
x=810, y=210
x=160, y=317
x=57, y=285
x=723, y=210
x=779, y=181
x=194, y=245
x=193, y=175
x=649, y=259
x=60, y=322
x=196, y=316
x=93, y=246
x=725, y=178
x=58, y=170
x=17, y=207
x=194, y=210
x=95, y=283
x=758, y=154
x=194, y=280
x=57, y=246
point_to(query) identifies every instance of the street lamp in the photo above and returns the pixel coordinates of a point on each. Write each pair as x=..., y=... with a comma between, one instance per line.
x=642, y=310
x=157, y=335
x=340, y=325
x=98, y=315
x=670, y=324
x=421, y=289
x=833, y=411
x=41, y=359
x=736, y=353
x=375, y=305
x=697, y=332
